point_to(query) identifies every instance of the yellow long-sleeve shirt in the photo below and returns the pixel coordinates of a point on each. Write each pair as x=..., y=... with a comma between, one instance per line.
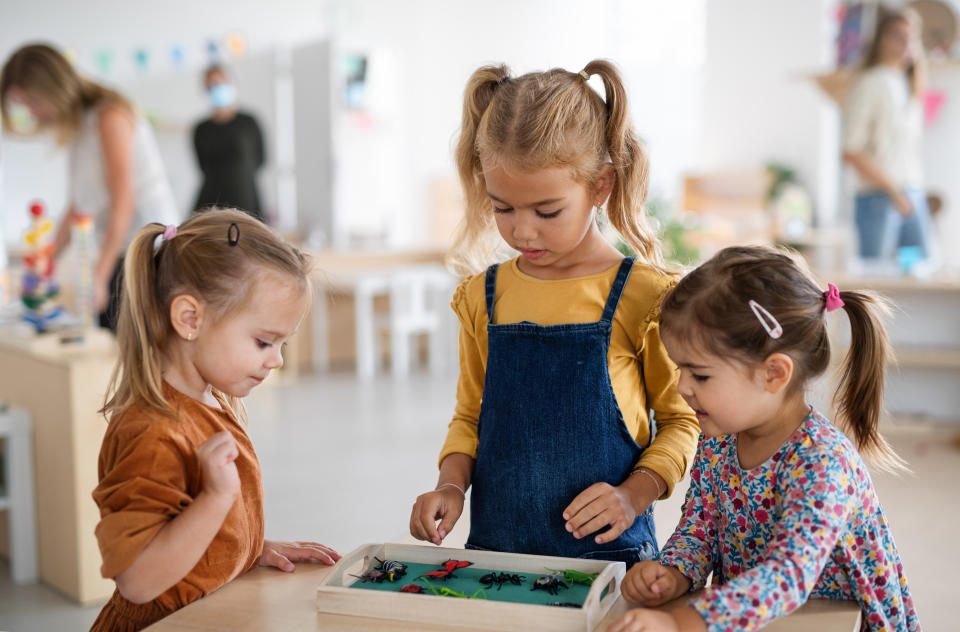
x=642, y=375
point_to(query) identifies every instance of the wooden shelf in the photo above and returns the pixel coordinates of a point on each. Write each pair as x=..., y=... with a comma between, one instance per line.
x=942, y=283
x=927, y=358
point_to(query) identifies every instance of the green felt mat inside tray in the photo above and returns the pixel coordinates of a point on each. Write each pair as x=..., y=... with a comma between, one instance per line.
x=467, y=581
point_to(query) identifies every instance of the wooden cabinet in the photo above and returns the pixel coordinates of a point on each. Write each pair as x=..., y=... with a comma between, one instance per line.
x=62, y=386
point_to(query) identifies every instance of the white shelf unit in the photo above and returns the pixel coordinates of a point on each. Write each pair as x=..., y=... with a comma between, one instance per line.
x=923, y=379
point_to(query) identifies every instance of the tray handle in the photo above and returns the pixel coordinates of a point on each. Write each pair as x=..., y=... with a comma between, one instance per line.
x=335, y=576
x=595, y=607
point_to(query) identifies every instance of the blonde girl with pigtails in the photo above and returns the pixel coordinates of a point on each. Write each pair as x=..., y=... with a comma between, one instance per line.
x=568, y=424
x=206, y=309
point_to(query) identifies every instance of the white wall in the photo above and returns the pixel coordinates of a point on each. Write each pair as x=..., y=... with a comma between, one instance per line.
x=759, y=104
x=434, y=45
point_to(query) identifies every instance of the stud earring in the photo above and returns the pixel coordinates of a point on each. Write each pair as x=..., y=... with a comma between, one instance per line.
x=190, y=336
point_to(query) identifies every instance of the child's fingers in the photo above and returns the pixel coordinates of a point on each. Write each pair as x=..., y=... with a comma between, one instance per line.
x=423, y=520
x=271, y=557
x=651, y=572
x=226, y=452
x=631, y=587
x=584, y=498
x=578, y=521
x=312, y=552
x=603, y=519
x=627, y=623
x=446, y=525
x=330, y=551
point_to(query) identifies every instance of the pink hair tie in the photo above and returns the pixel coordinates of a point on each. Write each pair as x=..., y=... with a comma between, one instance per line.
x=169, y=232
x=832, y=297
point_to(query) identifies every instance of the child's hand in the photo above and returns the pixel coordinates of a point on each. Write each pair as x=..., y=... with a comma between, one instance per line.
x=216, y=456
x=651, y=583
x=598, y=506
x=282, y=555
x=445, y=505
x=641, y=620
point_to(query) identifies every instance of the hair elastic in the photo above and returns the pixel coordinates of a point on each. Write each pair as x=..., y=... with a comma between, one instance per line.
x=832, y=298
x=169, y=232
x=766, y=319
x=585, y=75
x=233, y=234
x=502, y=80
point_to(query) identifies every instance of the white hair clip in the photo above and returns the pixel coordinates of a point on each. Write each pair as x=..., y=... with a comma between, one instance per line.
x=767, y=320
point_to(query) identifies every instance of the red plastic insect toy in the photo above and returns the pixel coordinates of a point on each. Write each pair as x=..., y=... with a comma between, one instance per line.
x=412, y=588
x=447, y=572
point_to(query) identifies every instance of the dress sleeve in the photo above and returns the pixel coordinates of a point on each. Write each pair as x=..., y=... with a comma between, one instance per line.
x=144, y=488
x=692, y=549
x=462, y=434
x=817, y=500
x=672, y=449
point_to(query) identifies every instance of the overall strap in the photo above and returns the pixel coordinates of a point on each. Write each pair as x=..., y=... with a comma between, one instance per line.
x=617, y=289
x=491, y=289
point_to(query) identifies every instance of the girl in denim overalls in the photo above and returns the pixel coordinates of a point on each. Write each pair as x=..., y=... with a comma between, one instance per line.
x=560, y=354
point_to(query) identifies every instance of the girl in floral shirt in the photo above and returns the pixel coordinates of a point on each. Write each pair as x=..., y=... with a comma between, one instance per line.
x=781, y=508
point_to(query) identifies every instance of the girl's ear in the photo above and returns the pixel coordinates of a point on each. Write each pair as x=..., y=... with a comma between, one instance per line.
x=604, y=185
x=777, y=370
x=186, y=315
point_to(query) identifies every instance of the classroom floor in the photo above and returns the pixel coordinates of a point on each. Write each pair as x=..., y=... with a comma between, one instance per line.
x=344, y=460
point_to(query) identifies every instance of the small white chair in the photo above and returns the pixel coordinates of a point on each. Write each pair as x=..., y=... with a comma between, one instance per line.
x=16, y=494
x=419, y=296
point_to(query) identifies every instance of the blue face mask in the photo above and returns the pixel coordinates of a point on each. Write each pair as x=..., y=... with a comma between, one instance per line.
x=223, y=95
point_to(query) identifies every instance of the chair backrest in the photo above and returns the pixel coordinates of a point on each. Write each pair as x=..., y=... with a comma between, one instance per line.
x=418, y=294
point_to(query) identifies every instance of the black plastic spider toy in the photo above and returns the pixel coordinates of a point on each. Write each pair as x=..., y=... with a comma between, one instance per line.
x=391, y=569
x=550, y=583
x=500, y=579
x=375, y=576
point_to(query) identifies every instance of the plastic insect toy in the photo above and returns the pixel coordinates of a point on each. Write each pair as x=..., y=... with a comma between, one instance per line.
x=576, y=577
x=500, y=579
x=376, y=576
x=394, y=570
x=550, y=583
x=443, y=591
x=563, y=604
x=447, y=571
x=412, y=588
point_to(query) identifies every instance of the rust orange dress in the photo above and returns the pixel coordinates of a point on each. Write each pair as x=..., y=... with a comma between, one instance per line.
x=149, y=473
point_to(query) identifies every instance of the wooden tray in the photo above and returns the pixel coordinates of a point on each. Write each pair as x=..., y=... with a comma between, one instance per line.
x=334, y=595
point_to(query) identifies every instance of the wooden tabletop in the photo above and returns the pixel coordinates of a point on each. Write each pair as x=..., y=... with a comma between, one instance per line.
x=268, y=599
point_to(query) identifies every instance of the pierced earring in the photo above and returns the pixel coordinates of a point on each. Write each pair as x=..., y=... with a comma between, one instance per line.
x=190, y=336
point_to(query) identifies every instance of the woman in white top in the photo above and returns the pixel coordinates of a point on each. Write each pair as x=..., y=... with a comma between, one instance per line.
x=883, y=129
x=116, y=174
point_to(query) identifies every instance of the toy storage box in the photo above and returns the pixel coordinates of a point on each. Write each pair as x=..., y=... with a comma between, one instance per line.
x=336, y=596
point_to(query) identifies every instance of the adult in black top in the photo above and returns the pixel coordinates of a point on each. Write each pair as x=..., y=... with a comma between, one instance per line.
x=229, y=149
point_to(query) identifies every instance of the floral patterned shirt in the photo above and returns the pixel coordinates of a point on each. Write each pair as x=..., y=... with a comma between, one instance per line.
x=805, y=524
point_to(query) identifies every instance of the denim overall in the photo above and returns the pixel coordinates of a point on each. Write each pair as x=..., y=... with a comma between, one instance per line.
x=549, y=428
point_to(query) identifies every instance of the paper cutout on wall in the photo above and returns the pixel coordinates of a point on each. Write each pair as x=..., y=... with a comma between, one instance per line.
x=213, y=51
x=104, y=62
x=933, y=102
x=236, y=44
x=142, y=58
x=176, y=56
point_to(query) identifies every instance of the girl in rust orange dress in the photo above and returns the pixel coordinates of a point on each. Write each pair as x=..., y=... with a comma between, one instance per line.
x=203, y=320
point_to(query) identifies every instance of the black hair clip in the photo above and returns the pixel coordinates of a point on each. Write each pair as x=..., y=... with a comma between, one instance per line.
x=233, y=234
